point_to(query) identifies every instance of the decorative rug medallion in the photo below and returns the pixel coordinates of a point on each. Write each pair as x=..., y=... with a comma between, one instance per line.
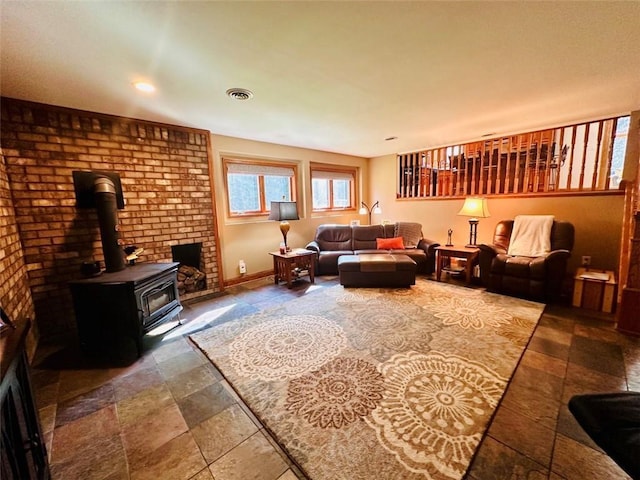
x=340, y=392
x=286, y=347
x=428, y=416
x=373, y=383
x=470, y=312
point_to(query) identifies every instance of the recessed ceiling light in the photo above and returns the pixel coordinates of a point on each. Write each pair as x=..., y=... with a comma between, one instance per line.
x=239, y=93
x=144, y=87
x=388, y=139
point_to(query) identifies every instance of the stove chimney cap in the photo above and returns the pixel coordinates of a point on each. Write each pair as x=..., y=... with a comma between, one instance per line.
x=85, y=185
x=104, y=185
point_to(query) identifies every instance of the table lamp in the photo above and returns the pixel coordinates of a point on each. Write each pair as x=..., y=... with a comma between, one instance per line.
x=282, y=212
x=474, y=207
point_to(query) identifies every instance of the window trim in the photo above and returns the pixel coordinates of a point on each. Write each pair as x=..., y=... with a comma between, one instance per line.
x=334, y=172
x=259, y=165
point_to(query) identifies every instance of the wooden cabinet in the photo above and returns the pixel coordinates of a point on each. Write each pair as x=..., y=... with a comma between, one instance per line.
x=24, y=456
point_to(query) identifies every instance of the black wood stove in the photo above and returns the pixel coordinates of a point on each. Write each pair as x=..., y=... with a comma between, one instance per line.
x=127, y=303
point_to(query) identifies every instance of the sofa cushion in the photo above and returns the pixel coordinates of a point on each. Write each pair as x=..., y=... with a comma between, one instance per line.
x=389, y=243
x=364, y=237
x=369, y=250
x=334, y=237
x=411, y=252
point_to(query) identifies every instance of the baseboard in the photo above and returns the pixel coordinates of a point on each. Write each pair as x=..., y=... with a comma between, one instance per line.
x=247, y=278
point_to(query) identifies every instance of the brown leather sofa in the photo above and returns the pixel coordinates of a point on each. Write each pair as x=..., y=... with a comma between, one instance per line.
x=537, y=278
x=332, y=241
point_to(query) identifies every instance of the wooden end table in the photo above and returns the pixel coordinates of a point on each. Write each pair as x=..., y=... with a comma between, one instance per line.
x=444, y=255
x=292, y=265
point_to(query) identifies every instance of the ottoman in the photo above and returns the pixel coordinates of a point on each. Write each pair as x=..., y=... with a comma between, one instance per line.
x=376, y=270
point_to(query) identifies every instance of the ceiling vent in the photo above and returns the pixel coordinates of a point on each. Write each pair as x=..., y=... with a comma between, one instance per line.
x=239, y=93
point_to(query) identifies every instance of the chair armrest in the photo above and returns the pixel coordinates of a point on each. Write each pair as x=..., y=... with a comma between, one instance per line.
x=554, y=265
x=551, y=258
x=558, y=255
x=491, y=249
x=487, y=253
x=313, y=245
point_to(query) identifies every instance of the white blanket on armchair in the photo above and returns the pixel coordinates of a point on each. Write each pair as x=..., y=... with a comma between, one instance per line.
x=531, y=235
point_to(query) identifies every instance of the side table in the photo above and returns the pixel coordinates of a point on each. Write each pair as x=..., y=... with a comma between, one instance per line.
x=292, y=265
x=594, y=289
x=444, y=255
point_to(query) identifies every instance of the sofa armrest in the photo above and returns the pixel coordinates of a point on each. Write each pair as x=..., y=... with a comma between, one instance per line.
x=313, y=245
x=429, y=246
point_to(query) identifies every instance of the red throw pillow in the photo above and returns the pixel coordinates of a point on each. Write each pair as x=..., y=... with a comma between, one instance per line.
x=389, y=243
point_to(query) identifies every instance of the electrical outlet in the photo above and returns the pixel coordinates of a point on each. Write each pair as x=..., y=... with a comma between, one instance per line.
x=586, y=260
x=242, y=266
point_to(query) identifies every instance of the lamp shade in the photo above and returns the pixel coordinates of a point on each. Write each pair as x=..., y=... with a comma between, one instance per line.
x=475, y=207
x=284, y=211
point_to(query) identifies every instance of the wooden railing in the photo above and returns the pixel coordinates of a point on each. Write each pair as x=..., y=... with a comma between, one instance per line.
x=581, y=157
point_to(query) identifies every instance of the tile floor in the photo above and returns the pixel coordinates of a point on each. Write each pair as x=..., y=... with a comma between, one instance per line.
x=170, y=415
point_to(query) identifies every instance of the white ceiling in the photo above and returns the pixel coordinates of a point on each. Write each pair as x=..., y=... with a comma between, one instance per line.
x=334, y=76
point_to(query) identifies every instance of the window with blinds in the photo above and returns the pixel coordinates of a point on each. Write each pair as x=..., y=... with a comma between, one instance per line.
x=252, y=185
x=586, y=157
x=332, y=188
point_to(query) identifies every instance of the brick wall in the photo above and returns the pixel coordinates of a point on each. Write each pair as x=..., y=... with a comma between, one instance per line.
x=166, y=185
x=15, y=297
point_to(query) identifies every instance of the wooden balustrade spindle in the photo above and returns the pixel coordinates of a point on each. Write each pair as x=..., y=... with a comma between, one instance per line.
x=584, y=155
x=516, y=188
x=560, y=162
x=527, y=160
x=614, y=127
x=547, y=161
x=538, y=163
x=574, y=134
x=594, y=178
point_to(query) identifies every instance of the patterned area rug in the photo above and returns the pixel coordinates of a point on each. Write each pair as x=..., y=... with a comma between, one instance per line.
x=376, y=383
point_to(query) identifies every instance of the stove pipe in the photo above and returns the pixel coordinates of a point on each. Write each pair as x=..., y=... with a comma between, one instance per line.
x=106, y=206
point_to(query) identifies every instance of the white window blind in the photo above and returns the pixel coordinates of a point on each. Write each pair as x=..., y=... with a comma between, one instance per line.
x=257, y=169
x=331, y=175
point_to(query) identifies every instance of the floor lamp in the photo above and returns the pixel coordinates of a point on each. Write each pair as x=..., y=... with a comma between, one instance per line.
x=474, y=207
x=283, y=212
x=375, y=208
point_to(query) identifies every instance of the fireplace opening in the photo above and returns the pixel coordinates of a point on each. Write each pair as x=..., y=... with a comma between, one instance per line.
x=191, y=278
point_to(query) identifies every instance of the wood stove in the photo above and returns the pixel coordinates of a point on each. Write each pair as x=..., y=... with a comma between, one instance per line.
x=128, y=303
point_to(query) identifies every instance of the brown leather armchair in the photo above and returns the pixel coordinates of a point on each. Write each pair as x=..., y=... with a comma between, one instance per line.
x=538, y=278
